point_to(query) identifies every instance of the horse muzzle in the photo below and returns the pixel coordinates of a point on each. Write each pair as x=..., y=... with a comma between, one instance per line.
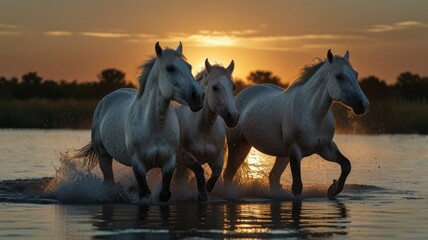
x=360, y=107
x=231, y=118
x=196, y=100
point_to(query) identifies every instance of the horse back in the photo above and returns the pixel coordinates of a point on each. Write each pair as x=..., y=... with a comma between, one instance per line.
x=254, y=94
x=109, y=121
x=262, y=109
x=113, y=105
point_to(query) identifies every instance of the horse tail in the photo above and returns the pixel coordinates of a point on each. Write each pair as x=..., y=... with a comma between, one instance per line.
x=87, y=152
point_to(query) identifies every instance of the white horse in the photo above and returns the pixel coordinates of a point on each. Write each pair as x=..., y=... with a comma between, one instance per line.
x=202, y=134
x=140, y=128
x=296, y=123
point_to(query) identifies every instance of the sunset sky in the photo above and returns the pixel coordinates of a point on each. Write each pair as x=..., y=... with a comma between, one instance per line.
x=77, y=39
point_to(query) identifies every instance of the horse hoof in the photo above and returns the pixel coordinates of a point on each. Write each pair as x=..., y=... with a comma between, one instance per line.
x=275, y=188
x=144, y=195
x=202, y=197
x=132, y=188
x=210, y=186
x=164, y=196
x=297, y=189
x=109, y=182
x=333, y=190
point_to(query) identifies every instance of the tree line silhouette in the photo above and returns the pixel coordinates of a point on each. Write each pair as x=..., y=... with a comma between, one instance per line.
x=401, y=107
x=409, y=86
x=31, y=85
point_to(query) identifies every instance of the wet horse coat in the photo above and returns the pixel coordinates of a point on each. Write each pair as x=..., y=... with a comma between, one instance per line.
x=140, y=128
x=202, y=134
x=296, y=123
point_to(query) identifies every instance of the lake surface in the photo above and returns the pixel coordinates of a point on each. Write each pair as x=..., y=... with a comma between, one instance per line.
x=46, y=195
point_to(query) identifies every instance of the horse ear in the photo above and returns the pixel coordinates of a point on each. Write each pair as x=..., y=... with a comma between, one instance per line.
x=158, y=50
x=346, y=56
x=231, y=67
x=330, y=56
x=208, y=66
x=180, y=48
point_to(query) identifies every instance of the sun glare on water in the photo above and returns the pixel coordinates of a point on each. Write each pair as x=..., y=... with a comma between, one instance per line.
x=258, y=164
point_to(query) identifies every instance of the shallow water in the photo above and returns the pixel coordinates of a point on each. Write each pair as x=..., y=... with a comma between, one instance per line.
x=386, y=196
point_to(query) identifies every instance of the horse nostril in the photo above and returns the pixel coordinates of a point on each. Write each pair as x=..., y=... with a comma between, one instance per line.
x=361, y=104
x=228, y=115
x=194, y=95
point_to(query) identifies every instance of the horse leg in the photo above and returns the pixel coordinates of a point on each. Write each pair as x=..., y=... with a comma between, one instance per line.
x=105, y=161
x=238, y=151
x=140, y=176
x=216, y=168
x=193, y=164
x=167, y=173
x=331, y=153
x=276, y=172
x=295, y=159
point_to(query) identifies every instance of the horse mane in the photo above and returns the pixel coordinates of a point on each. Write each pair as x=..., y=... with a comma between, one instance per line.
x=200, y=75
x=307, y=72
x=215, y=70
x=147, y=67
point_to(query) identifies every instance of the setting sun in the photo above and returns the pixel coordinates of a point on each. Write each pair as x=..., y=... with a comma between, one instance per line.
x=214, y=41
x=278, y=36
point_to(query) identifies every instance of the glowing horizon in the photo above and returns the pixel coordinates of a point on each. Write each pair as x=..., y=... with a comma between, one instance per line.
x=278, y=36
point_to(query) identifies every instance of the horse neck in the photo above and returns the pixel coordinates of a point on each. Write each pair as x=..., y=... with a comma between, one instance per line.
x=315, y=92
x=152, y=103
x=206, y=117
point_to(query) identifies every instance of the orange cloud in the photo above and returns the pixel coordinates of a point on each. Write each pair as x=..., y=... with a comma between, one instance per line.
x=105, y=34
x=10, y=33
x=58, y=33
x=396, y=26
x=250, y=40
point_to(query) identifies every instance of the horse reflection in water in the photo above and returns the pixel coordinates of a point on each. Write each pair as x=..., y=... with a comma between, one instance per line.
x=296, y=123
x=294, y=219
x=223, y=220
x=139, y=128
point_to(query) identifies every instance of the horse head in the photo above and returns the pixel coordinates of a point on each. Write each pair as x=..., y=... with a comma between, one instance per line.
x=219, y=86
x=175, y=78
x=343, y=84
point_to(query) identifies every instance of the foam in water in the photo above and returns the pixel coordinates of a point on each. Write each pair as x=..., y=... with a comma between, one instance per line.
x=73, y=183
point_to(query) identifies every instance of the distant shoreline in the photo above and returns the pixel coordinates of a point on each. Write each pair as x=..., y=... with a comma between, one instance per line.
x=384, y=117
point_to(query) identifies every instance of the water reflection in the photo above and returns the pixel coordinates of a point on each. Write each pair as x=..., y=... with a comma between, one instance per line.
x=287, y=219
x=321, y=220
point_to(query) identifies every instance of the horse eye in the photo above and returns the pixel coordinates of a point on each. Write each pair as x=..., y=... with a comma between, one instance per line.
x=170, y=68
x=340, y=76
x=215, y=88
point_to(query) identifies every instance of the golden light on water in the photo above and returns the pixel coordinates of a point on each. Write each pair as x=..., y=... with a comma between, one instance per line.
x=252, y=219
x=258, y=164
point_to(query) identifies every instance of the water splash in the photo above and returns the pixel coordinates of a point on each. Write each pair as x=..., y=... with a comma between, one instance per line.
x=73, y=183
